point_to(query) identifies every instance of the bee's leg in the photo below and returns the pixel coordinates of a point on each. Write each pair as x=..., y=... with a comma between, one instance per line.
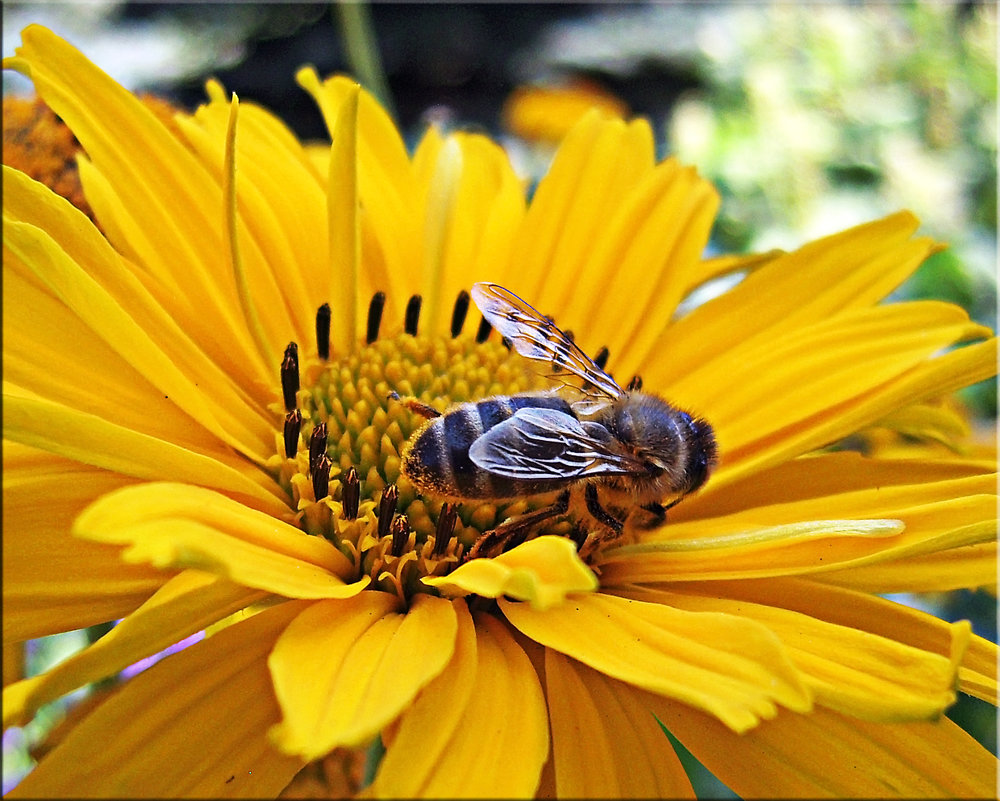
x=613, y=526
x=514, y=531
x=415, y=406
x=658, y=512
x=601, y=514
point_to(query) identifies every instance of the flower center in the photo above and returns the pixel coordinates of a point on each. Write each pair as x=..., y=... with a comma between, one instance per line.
x=345, y=428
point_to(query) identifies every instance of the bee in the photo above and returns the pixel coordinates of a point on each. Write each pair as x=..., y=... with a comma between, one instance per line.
x=619, y=447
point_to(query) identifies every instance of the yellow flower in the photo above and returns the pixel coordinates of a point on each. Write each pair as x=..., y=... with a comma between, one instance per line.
x=144, y=414
x=547, y=113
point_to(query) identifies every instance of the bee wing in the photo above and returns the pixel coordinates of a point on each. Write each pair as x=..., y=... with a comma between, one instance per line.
x=536, y=337
x=547, y=443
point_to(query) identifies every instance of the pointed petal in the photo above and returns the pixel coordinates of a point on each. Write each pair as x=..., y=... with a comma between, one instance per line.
x=854, y=672
x=824, y=754
x=733, y=668
x=604, y=744
x=179, y=526
x=184, y=605
x=852, y=269
x=542, y=572
x=94, y=441
x=942, y=505
x=207, y=709
x=479, y=730
x=160, y=183
x=90, y=293
x=475, y=204
x=344, y=670
x=596, y=165
x=77, y=583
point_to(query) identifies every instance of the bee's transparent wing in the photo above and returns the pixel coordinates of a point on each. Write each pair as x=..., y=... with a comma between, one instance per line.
x=547, y=443
x=536, y=337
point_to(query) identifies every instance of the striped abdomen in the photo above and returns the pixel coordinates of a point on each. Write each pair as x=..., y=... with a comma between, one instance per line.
x=437, y=458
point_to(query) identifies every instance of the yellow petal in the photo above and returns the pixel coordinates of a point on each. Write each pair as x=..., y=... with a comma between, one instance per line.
x=75, y=583
x=173, y=204
x=826, y=754
x=964, y=567
x=344, y=670
x=943, y=506
x=854, y=672
x=733, y=668
x=761, y=394
x=867, y=612
x=281, y=202
x=541, y=571
x=604, y=744
x=186, y=604
x=179, y=526
x=654, y=240
x=596, y=165
x=852, y=269
x=91, y=440
x=106, y=300
x=343, y=212
x=475, y=203
x=391, y=225
x=192, y=725
x=479, y=730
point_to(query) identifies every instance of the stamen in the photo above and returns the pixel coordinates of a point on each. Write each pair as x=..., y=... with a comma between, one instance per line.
x=323, y=315
x=321, y=477
x=484, y=331
x=445, y=527
x=317, y=445
x=386, y=509
x=351, y=497
x=374, y=316
x=400, y=534
x=290, y=375
x=293, y=424
x=635, y=384
x=601, y=358
x=412, y=315
x=458, y=315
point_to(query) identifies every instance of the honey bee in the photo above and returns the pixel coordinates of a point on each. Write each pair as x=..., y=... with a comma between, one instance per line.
x=617, y=446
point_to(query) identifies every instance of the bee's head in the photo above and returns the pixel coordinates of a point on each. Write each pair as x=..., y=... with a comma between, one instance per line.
x=669, y=440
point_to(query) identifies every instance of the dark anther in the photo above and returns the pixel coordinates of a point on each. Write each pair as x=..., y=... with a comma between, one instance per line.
x=635, y=384
x=458, y=315
x=483, y=332
x=445, y=527
x=506, y=342
x=569, y=334
x=323, y=315
x=374, y=316
x=317, y=445
x=386, y=509
x=412, y=315
x=352, y=494
x=601, y=358
x=290, y=375
x=400, y=534
x=293, y=424
x=321, y=477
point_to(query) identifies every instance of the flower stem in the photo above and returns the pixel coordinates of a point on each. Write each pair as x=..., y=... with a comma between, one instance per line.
x=362, y=50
